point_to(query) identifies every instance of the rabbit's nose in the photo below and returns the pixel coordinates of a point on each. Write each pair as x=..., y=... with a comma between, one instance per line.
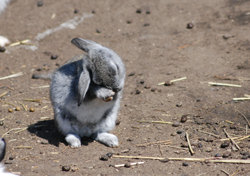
x=117, y=89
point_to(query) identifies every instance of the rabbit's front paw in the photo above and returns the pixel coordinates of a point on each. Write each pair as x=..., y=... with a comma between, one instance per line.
x=107, y=139
x=73, y=140
x=105, y=94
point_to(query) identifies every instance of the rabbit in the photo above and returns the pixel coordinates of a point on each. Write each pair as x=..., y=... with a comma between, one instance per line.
x=3, y=40
x=86, y=93
x=2, y=154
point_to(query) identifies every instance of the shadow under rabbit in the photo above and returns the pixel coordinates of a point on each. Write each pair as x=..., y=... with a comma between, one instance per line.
x=47, y=130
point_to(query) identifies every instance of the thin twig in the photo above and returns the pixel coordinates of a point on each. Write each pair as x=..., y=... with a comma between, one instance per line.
x=231, y=139
x=242, y=98
x=141, y=121
x=152, y=143
x=131, y=164
x=223, y=84
x=189, y=145
x=23, y=106
x=12, y=76
x=211, y=160
x=45, y=86
x=225, y=172
x=23, y=147
x=5, y=102
x=3, y=94
x=244, y=117
x=171, y=81
x=10, y=131
x=210, y=134
x=32, y=100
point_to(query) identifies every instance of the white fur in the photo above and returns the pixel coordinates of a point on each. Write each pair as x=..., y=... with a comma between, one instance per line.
x=2, y=172
x=3, y=4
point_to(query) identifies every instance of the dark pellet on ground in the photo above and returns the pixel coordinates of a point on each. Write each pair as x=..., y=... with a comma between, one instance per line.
x=180, y=131
x=129, y=21
x=2, y=49
x=183, y=118
x=224, y=144
x=226, y=155
x=76, y=11
x=148, y=12
x=190, y=25
x=54, y=57
x=184, y=164
x=131, y=74
x=98, y=30
x=153, y=90
x=93, y=11
x=137, y=91
x=11, y=158
x=39, y=3
x=142, y=81
x=146, y=24
x=65, y=168
x=199, y=145
x=138, y=11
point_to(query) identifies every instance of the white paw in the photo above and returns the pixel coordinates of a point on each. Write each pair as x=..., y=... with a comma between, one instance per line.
x=107, y=139
x=4, y=41
x=73, y=140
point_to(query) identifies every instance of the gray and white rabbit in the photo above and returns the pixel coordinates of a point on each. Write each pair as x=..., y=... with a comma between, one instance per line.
x=86, y=93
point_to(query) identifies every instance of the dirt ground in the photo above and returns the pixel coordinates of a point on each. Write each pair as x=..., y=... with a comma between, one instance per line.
x=156, y=46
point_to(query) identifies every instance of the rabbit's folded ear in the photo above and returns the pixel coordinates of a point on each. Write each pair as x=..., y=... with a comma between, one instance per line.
x=83, y=85
x=83, y=44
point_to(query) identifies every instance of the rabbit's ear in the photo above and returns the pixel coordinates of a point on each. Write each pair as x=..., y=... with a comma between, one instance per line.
x=83, y=44
x=83, y=85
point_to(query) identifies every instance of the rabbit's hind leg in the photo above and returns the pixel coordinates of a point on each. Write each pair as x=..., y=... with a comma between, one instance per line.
x=107, y=139
x=73, y=140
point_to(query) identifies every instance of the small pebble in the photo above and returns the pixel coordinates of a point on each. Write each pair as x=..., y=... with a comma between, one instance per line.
x=168, y=83
x=76, y=11
x=54, y=57
x=146, y=24
x=245, y=157
x=176, y=124
x=18, y=122
x=153, y=90
x=39, y=3
x=199, y=145
x=10, y=110
x=184, y=164
x=65, y=168
x=127, y=165
x=173, y=134
x=226, y=155
x=209, y=149
x=232, y=126
x=117, y=122
x=165, y=160
x=32, y=109
x=11, y=157
x=138, y=11
x=93, y=11
x=190, y=25
x=224, y=144
x=183, y=118
x=147, y=87
x=109, y=154
x=98, y=30
x=104, y=158
x=217, y=155
x=2, y=49
x=179, y=105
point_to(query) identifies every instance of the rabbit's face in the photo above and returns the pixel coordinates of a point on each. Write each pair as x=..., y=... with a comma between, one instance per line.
x=107, y=69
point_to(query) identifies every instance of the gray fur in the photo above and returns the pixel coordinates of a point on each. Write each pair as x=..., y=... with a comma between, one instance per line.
x=78, y=90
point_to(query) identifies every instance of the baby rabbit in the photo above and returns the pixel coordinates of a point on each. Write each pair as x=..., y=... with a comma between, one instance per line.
x=86, y=93
x=2, y=154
